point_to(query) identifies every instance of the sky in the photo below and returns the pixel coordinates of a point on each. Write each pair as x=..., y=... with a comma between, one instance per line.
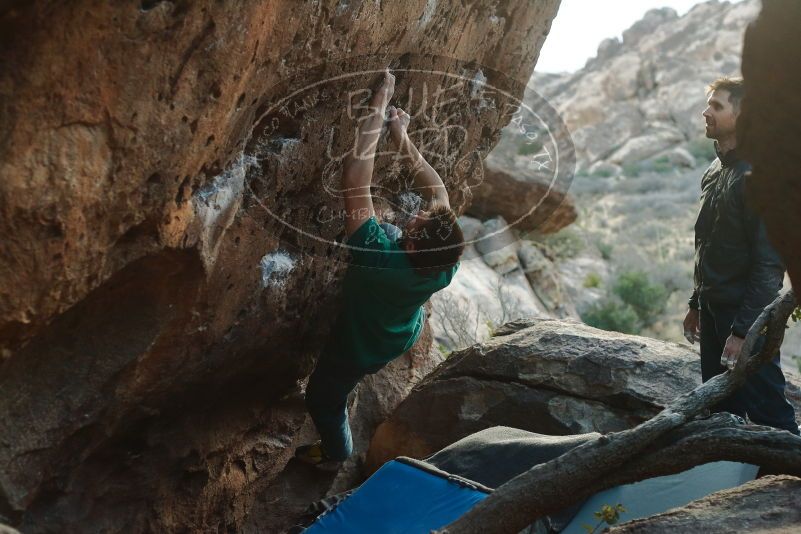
x=581, y=25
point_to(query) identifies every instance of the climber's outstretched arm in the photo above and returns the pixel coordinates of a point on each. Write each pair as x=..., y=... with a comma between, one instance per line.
x=357, y=171
x=426, y=180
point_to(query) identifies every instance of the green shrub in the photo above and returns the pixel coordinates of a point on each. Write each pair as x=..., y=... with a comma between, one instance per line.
x=661, y=165
x=646, y=299
x=611, y=314
x=632, y=170
x=605, y=249
x=602, y=173
x=529, y=148
x=607, y=514
x=592, y=280
x=633, y=304
x=563, y=244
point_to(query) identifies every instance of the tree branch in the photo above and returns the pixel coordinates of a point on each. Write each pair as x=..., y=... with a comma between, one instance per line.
x=702, y=441
x=552, y=485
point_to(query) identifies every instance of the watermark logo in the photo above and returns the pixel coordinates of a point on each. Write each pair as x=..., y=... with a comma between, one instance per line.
x=455, y=111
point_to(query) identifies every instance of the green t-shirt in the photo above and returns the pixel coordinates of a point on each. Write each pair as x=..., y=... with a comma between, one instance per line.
x=383, y=298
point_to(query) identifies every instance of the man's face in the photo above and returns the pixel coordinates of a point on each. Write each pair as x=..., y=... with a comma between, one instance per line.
x=720, y=115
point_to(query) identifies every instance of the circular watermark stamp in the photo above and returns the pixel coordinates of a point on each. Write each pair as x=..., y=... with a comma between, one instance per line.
x=454, y=114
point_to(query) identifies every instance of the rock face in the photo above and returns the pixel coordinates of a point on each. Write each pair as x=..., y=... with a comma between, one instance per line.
x=157, y=313
x=546, y=282
x=644, y=95
x=768, y=504
x=512, y=195
x=546, y=376
x=767, y=129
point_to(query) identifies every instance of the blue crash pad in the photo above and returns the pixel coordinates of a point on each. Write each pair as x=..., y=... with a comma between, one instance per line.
x=399, y=498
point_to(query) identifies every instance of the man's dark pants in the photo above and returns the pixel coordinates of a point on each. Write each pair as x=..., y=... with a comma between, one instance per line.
x=762, y=396
x=327, y=401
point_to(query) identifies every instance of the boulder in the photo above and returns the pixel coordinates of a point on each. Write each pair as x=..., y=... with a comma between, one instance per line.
x=497, y=244
x=525, y=200
x=547, y=376
x=471, y=227
x=770, y=504
x=623, y=77
x=644, y=146
x=604, y=169
x=608, y=48
x=159, y=309
x=681, y=157
x=542, y=375
x=546, y=281
x=653, y=19
x=597, y=137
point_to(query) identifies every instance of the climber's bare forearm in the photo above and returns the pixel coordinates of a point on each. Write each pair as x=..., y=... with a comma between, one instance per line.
x=357, y=169
x=357, y=173
x=358, y=166
x=426, y=180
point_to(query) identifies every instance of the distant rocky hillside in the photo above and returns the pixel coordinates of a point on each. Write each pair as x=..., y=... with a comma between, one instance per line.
x=640, y=99
x=634, y=116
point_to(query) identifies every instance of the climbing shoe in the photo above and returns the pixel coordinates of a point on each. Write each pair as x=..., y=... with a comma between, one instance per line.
x=314, y=455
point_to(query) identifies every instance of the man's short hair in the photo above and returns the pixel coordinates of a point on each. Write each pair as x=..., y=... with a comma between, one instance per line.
x=734, y=86
x=438, y=242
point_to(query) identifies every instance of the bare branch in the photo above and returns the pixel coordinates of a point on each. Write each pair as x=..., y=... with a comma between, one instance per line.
x=459, y=323
x=702, y=441
x=550, y=486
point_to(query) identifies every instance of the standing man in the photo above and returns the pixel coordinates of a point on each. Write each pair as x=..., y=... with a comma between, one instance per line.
x=737, y=271
x=390, y=277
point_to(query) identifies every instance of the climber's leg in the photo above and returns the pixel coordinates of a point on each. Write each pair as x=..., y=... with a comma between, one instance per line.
x=327, y=402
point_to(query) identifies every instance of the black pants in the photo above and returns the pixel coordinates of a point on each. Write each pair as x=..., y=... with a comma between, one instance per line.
x=761, y=398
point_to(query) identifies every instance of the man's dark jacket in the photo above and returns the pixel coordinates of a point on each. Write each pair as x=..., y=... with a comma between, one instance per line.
x=734, y=262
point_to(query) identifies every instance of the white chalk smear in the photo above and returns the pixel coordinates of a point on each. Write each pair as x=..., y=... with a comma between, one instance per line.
x=275, y=266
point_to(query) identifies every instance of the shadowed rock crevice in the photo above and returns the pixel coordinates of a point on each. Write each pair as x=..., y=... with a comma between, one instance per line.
x=70, y=386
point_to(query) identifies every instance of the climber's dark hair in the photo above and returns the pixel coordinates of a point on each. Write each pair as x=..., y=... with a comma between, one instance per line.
x=438, y=243
x=735, y=87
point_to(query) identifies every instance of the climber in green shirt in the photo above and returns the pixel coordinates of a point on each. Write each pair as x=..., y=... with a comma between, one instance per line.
x=392, y=273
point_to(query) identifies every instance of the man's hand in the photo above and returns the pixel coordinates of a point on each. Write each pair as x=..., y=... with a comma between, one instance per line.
x=382, y=95
x=369, y=129
x=734, y=345
x=398, y=124
x=692, y=326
